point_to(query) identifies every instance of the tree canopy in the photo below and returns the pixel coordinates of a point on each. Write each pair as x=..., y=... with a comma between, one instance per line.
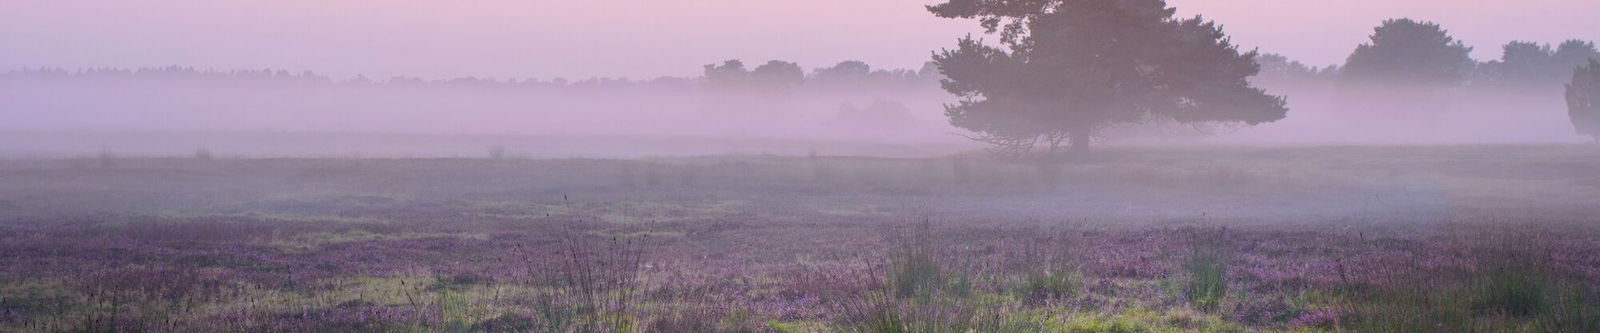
x=1276, y=66
x=1530, y=62
x=775, y=76
x=1066, y=68
x=732, y=89
x=1583, y=99
x=1410, y=51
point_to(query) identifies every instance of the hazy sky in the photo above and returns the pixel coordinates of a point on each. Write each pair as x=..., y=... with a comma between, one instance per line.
x=648, y=38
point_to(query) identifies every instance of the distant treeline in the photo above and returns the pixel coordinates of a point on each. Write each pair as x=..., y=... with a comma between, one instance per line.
x=1408, y=68
x=1403, y=50
x=728, y=99
x=848, y=74
x=1413, y=82
x=1415, y=52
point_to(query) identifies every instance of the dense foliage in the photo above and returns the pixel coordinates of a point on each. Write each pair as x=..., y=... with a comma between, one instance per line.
x=1529, y=62
x=1412, y=52
x=1066, y=68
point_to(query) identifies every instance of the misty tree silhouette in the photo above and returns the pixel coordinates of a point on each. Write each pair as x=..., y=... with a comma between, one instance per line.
x=846, y=70
x=1066, y=68
x=733, y=90
x=1529, y=62
x=778, y=75
x=855, y=75
x=1407, y=51
x=1280, y=67
x=1583, y=100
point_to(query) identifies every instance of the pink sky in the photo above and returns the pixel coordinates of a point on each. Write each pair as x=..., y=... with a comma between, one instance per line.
x=639, y=38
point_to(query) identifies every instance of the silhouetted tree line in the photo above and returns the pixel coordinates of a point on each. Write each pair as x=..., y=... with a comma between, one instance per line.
x=1535, y=63
x=774, y=95
x=1058, y=72
x=1407, y=51
x=1277, y=66
x=278, y=76
x=170, y=73
x=856, y=74
x=775, y=77
x=1418, y=54
x=733, y=89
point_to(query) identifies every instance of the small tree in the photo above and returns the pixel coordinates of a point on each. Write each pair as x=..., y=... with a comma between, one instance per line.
x=1583, y=100
x=1067, y=68
x=1413, y=52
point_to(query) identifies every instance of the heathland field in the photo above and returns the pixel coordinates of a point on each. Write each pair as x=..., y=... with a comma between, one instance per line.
x=1246, y=239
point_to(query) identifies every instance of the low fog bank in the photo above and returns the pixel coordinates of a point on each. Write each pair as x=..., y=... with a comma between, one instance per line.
x=62, y=111
x=209, y=144
x=1377, y=113
x=824, y=104
x=847, y=109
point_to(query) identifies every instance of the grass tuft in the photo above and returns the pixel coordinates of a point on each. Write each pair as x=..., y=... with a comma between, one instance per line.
x=1516, y=292
x=1207, y=266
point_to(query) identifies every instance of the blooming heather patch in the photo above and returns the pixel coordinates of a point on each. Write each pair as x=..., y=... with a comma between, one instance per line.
x=545, y=246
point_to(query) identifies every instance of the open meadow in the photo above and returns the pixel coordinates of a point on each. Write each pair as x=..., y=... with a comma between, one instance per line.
x=1502, y=238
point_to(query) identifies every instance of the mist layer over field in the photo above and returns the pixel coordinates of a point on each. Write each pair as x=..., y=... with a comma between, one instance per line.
x=176, y=111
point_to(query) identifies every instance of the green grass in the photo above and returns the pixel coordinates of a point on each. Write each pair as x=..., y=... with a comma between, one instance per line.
x=1208, y=279
x=1503, y=299
x=1061, y=282
x=1517, y=292
x=1145, y=320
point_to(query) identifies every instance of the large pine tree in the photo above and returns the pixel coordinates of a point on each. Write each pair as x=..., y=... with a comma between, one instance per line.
x=1066, y=68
